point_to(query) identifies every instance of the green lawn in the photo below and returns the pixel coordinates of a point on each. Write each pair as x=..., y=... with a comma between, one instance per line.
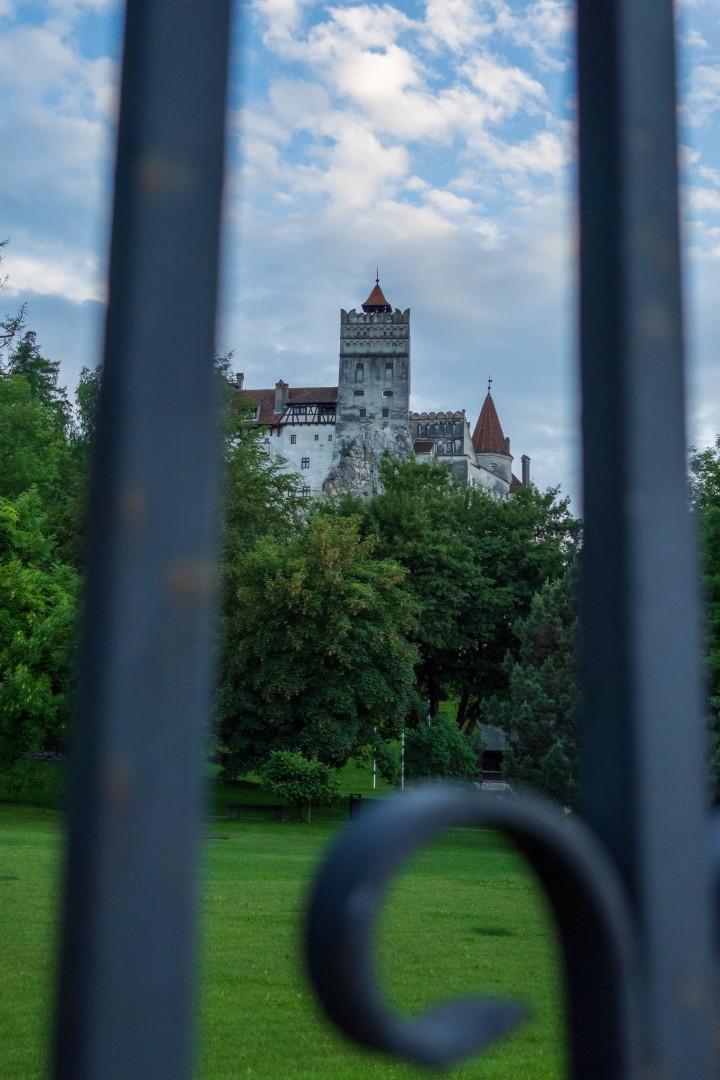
x=465, y=917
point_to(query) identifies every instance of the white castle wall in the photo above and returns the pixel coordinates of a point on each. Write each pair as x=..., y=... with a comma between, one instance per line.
x=301, y=442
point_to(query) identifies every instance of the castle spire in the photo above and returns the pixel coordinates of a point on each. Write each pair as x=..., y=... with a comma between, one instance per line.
x=488, y=436
x=376, y=303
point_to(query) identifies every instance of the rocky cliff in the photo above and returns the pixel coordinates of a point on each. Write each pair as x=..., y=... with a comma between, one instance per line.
x=357, y=469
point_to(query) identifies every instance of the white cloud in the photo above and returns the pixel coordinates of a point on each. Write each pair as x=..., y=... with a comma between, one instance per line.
x=282, y=18
x=505, y=89
x=702, y=100
x=702, y=199
x=693, y=39
x=542, y=27
x=59, y=273
x=361, y=170
x=458, y=24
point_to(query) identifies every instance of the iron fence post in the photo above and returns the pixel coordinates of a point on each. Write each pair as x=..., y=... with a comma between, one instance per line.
x=128, y=952
x=644, y=776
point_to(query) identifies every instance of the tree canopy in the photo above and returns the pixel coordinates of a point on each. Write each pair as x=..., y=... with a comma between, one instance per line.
x=318, y=647
x=38, y=598
x=542, y=709
x=473, y=565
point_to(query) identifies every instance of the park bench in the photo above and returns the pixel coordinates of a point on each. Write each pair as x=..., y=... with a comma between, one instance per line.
x=271, y=813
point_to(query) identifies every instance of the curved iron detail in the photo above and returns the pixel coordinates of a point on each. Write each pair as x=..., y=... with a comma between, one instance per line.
x=582, y=887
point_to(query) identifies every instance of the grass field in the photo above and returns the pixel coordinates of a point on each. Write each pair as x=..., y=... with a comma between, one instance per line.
x=465, y=917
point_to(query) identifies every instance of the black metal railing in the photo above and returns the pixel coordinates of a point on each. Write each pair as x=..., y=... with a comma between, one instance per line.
x=632, y=887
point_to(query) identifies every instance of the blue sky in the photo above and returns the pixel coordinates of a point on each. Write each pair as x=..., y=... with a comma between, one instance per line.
x=433, y=139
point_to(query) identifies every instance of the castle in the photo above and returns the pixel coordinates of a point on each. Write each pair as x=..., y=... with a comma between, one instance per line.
x=335, y=436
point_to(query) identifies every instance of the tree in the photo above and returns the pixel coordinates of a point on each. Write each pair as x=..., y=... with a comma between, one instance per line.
x=10, y=325
x=705, y=502
x=541, y=712
x=31, y=447
x=473, y=566
x=39, y=445
x=38, y=609
x=316, y=651
x=437, y=749
x=303, y=783
x=42, y=376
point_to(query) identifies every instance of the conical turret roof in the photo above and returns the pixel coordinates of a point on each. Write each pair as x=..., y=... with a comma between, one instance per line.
x=376, y=301
x=488, y=436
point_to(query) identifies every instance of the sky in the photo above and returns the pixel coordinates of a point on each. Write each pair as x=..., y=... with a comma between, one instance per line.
x=433, y=139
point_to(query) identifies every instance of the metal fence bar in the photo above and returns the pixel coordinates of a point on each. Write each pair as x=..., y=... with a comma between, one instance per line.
x=643, y=750
x=128, y=956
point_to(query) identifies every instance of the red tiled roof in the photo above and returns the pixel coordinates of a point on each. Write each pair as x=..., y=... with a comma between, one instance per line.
x=515, y=484
x=321, y=394
x=376, y=299
x=420, y=446
x=488, y=436
x=306, y=395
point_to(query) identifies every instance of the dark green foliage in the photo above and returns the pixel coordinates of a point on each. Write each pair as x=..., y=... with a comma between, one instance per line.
x=437, y=749
x=317, y=652
x=40, y=446
x=41, y=376
x=38, y=604
x=39, y=480
x=473, y=566
x=705, y=501
x=87, y=396
x=301, y=782
x=541, y=713
x=387, y=760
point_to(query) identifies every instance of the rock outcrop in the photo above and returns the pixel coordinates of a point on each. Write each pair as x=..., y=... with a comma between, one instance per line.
x=357, y=468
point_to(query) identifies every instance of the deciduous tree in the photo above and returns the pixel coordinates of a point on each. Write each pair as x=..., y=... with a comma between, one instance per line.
x=38, y=607
x=317, y=651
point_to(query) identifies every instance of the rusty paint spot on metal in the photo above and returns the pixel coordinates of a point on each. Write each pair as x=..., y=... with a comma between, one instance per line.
x=159, y=175
x=655, y=322
x=191, y=578
x=133, y=508
x=118, y=782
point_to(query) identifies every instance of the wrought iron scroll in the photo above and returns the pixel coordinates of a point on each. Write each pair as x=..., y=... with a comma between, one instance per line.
x=128, y=956
x=585, y=896
x=643, y=701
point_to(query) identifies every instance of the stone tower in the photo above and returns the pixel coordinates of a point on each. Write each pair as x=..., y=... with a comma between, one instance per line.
x=374, y=376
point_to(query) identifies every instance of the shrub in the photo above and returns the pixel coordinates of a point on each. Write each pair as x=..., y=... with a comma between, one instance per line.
x=438, y=749
x=303, y=783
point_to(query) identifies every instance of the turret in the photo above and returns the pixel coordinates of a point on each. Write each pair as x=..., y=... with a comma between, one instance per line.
x=492, y=449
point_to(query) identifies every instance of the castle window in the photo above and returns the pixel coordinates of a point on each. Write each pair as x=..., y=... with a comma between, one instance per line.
x=299, y=410
x=450, y=448
x=305, y=489
x=359, y=393
x=305, y=463
x=329, y=438
x=363, y=412
x=359, y=372
x=493, y=466
x=387, y=393
x=388, y=373
x=386, y=412
x=293, y=438
x=316, y=438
